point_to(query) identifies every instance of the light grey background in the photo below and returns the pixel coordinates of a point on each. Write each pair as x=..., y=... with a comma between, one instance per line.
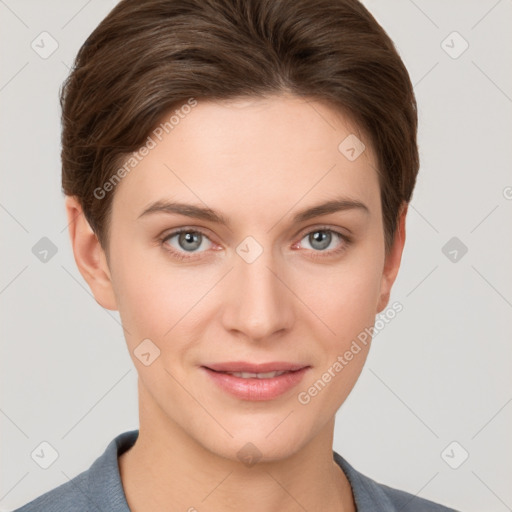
x=439, y=372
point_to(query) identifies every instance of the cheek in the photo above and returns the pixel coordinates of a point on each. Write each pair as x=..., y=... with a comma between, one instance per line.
x=346, y=304
x=343, y=296
x=156, y=299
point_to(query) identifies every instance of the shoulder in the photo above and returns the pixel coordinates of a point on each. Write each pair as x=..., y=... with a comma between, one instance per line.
x=69, y=497
x=407, y=502
x=97, y=488
x=370, y=495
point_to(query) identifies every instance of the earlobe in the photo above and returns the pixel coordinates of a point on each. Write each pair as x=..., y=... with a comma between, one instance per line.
x=393, y=259
x=89, y=255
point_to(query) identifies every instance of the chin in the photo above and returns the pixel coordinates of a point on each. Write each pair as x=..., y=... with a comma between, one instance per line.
x=253, y=441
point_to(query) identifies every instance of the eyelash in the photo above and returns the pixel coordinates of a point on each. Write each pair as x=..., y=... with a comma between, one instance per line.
x=181, y=256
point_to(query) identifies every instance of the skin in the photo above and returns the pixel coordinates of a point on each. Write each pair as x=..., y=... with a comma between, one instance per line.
x=257, y=162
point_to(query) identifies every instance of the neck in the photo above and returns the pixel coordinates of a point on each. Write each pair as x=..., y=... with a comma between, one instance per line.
x=168, y=470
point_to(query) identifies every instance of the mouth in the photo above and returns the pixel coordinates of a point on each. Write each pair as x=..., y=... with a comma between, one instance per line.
x=249, y=375
x=248, y=381
x=258, y=368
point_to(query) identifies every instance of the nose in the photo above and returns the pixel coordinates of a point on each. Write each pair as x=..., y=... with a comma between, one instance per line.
x=258, y=302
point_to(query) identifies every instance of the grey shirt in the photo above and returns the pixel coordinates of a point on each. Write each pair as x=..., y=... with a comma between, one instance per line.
x=99, y=488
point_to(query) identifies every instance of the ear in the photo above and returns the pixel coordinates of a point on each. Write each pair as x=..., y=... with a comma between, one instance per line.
x=393, y=259
x=89, y=255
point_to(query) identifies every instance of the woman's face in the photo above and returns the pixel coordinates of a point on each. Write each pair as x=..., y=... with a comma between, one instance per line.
x=270, y=285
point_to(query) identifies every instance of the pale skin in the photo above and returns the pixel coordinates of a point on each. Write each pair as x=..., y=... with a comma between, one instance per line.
x=257, y=163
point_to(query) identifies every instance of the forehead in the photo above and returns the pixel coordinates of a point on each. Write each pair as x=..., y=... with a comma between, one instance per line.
x=257, y=153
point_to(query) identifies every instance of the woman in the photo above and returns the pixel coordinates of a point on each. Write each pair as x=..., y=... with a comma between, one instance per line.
x=237, y=176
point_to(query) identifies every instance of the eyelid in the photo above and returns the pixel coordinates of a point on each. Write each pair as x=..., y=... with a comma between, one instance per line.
x=324, y=227
x=302, y=233
x=185, y=229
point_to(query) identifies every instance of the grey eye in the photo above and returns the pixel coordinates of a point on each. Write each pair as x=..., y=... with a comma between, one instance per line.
x=189, y=240
x=319, y=239
x=186, y=240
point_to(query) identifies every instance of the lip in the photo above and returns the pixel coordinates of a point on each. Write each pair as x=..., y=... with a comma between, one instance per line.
x=254, y=389
x=242, y=366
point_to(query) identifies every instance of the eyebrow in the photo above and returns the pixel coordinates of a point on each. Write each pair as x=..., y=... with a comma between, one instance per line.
x=207, y=214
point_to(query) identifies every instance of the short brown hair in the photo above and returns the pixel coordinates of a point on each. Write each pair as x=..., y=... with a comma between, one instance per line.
x=148, y=56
